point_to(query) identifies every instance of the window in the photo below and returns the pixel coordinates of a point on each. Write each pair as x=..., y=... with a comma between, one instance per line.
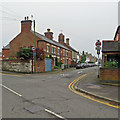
x=67, y=53
x=66, y=61
x=52, y=49
x=47, y=48
x=58, y=51
x=63, y=52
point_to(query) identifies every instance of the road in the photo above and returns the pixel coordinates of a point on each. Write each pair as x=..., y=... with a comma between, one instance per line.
x=46, y=95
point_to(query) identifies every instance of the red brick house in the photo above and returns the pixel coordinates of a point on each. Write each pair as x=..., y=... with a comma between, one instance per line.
x=26, y=38
x=110, y=71
x=75, y=54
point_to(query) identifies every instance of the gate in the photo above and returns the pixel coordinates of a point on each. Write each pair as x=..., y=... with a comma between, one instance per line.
x=47, y=65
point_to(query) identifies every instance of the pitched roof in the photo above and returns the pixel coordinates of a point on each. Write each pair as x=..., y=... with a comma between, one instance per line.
x=50, y=41
x=116, y=32
x=6, y=47
x=71, y=48
x=111, y=46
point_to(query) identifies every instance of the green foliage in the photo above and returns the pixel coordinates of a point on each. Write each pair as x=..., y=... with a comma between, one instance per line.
x=111, y=64
x=56, y=67
x=56, y=61
x=83, y=57
x=25, y=53
x=12, y=58
x=91, y=62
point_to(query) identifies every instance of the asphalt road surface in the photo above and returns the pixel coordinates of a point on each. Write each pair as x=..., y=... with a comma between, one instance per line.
x=46, y=95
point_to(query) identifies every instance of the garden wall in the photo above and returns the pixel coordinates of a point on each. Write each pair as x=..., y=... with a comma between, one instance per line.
x=110, y=75
x=17, y=65
x=24, y=66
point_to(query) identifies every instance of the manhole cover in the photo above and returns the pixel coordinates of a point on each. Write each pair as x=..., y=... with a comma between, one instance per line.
x=34, y=108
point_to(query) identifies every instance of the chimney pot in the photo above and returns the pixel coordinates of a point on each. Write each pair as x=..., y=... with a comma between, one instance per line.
x=26, y=25
x=67, y=41
x=61, y=38
x=48, y=30
x=27, y=17
x=49, y=34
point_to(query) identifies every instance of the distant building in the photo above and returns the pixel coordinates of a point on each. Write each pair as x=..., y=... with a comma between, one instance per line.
x=75, y=53
x=90, y=58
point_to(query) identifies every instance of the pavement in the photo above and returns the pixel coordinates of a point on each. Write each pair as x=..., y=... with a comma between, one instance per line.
x=91, y=86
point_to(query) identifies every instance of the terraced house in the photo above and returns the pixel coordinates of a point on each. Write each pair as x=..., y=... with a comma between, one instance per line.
x=26, y=38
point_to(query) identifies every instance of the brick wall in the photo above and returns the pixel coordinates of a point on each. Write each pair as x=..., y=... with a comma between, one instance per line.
x=110, y=75
x=21, y=40
x=40, y=65
x=5, y=54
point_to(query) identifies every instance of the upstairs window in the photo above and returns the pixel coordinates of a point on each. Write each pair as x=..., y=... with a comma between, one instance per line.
x=47, y=48
x=52, y=49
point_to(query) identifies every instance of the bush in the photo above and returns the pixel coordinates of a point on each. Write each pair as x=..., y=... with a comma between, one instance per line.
x=25, y=53
x=111, y=64
x=56, y=67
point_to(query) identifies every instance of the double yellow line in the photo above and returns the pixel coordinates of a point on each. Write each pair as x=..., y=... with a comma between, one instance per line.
x=74, y=82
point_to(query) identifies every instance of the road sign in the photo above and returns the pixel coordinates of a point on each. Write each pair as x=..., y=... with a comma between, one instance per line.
x=98, y=48
x=98, y=52
x=98, y=43
x=33, y=48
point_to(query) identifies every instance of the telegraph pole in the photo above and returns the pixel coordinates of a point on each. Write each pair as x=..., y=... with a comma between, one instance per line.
x=35, y=47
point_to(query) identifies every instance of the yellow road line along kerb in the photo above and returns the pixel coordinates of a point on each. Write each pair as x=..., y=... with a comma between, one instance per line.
x=11, y=90
x=11, y=74
x=71, y=87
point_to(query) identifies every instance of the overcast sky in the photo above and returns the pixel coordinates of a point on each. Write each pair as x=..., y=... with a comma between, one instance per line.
x=82, y=22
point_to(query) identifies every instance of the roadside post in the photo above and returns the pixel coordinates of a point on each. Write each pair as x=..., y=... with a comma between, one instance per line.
x=33, y=49
x=62, y=66
x=98, y=48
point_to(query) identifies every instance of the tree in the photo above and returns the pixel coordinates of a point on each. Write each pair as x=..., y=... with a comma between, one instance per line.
x=25, y=53
x=83, y=57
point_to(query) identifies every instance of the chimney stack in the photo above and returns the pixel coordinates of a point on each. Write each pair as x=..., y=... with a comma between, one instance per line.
x=49, y=34
x=67, y=41
x=26, y=25
x=61, y=38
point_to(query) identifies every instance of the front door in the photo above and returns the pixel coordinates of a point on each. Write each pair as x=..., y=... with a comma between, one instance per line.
x=47, y=64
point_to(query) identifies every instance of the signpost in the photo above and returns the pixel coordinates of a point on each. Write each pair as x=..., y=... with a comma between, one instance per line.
x=33, y=49
x=98, y=48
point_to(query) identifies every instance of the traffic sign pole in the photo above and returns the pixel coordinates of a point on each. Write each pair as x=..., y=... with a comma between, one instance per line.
x=98, y=67
x=98, y=48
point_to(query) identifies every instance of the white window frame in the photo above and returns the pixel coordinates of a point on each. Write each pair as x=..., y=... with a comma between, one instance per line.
x=48, y=48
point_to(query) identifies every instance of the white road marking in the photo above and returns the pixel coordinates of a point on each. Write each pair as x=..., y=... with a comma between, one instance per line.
x=11, y=90
x=46, y=110
x=53, y=113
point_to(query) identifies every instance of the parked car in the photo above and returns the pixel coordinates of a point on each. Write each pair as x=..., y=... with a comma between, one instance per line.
x=82, y=65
